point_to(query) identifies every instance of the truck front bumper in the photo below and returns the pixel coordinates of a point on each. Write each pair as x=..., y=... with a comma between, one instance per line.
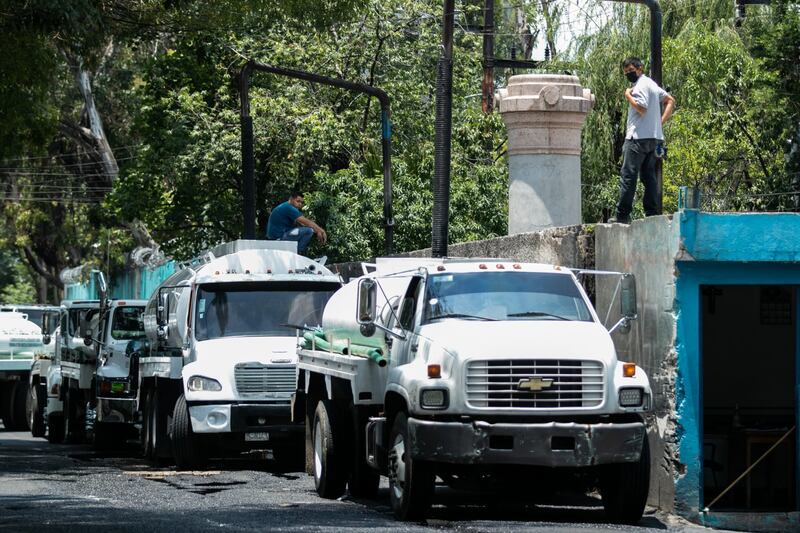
x=552, y=444
x=242, y=418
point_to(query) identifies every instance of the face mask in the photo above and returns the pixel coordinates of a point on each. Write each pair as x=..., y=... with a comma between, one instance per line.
x=632, y=76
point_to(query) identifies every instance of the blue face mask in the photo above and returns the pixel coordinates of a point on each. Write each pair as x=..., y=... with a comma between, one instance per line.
x=632, y=76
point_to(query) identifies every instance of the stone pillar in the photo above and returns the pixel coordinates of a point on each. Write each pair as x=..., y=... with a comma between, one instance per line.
x=544, y=114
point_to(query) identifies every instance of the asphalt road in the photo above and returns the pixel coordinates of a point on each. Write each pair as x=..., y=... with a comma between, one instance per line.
x=45, y=487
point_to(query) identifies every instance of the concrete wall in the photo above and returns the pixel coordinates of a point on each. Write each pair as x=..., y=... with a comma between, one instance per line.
x=647, y=248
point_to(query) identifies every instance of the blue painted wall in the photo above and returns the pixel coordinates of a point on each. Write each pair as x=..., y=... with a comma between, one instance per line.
x=130, y=284
x=721, y=249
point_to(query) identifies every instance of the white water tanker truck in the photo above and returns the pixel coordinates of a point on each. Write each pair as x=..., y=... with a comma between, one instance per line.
x=486, y=374
x=20, y=344
x=219, y=370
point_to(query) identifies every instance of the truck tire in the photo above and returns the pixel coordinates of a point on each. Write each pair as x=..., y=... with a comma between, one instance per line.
x=6, y=388
x=329, y=474
x=364, y=480
x=186, y=448
x=55, y=428
x=17, y=413
x=35, y=406
x=158, y=448
x=73, y=418
x=411, y=482
x=624, y=488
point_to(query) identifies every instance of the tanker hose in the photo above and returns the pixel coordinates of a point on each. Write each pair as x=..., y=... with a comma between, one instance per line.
x=317, y=338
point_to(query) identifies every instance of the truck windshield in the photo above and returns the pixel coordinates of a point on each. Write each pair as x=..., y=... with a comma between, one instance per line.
x=504, y=296
x=271, y=309
x=127, y=323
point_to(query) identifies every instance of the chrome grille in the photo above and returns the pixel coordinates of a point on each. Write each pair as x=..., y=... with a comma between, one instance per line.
x=575, y=384
x=255, y=378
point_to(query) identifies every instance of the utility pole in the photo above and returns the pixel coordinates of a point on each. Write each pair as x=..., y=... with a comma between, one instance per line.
x=487, y=101
x=443, y=126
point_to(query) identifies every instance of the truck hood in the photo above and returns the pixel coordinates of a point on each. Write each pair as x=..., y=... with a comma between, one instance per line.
x=518, y=338
x=229, y=351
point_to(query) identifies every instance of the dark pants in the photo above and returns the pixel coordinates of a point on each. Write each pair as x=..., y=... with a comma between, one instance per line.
x=639, y=161
x=301, y=234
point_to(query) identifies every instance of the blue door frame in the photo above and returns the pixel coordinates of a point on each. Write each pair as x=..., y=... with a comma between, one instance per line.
x=689, y=383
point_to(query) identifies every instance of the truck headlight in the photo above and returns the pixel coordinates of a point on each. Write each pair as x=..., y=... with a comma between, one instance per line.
x=203, y=384
x=433, y=398
x=631, y=397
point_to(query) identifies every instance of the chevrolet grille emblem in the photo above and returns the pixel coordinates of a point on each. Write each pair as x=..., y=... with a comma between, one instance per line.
x=535, y=384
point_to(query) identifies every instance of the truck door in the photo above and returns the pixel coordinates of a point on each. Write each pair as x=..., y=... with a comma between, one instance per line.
x=404, y=350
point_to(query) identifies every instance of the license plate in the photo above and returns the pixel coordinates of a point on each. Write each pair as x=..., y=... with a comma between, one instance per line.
x=256, y=436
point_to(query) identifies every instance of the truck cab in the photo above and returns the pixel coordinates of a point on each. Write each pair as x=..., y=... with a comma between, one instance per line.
x=112, y=412
x=219, y=370
x=497, y=371
x=70, y=375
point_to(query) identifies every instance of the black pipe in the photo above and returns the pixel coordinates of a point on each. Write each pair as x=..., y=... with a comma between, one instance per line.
x=386, y=130
x=248, y=163
x=444, y=117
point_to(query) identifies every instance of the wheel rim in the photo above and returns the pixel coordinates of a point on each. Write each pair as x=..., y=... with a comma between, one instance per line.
x=317, y=451
x=397, y=467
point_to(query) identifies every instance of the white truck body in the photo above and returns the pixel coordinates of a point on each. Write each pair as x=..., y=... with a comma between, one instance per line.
x=494, y=367
x=221, y=357
x=20, y=345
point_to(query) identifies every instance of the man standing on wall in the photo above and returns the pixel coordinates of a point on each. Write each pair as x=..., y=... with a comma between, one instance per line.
x=287, y=223
x=644, y=140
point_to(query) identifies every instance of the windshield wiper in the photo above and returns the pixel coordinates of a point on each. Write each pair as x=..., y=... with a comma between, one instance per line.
x=462, y=315
x=538, y=313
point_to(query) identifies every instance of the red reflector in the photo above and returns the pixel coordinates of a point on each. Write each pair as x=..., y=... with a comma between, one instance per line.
x=482, y=266
x=105, y=387
x=440, y=268
x=517, y=266
x=500, y=266
x=434, y=371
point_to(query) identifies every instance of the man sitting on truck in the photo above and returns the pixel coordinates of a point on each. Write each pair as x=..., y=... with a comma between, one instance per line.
x=287, y=223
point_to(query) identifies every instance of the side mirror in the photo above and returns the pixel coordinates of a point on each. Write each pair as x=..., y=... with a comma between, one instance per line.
x=47, y=324
x=87, y=339
x=367, y=301
x=627, y=302
x=162, y=308
x=46, y=339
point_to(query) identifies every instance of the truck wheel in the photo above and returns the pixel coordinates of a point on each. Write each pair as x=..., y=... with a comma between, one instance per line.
x=36, y=410
x=158, y=439
x=55, y=428
x=6, y=388
x=186, y=449
x=17, y=413
x=411, y=481
x=329, y=477
x=624, y=488
x=364, y=480
x=73, y=419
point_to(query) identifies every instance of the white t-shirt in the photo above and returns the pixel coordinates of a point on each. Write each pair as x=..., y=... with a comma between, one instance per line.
x=646, y=125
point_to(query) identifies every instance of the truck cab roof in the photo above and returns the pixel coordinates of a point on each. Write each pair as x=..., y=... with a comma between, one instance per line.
x=395, y=265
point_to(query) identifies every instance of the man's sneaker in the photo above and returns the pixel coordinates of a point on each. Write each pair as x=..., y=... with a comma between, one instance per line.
x=615, y=220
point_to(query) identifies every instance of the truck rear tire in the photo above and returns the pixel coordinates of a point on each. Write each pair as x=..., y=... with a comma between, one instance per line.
x=16, y=412
x=329, y=475
x=186, y=448
x=625, y=486
x=35, y=409
x=146, y=441
x=73, y=418
x=55, y=428
x=411, y=482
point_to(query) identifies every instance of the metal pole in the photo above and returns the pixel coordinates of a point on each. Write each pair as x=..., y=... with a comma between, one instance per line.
x=444, y=116
x=488, y=57
x=248, y=164
x=386, y=130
